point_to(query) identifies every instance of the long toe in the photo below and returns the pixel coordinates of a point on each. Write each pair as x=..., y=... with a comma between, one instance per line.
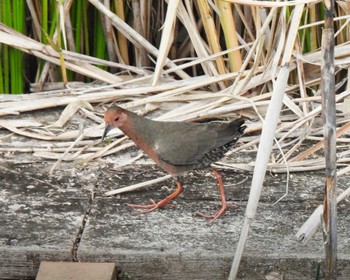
x=213, y=217
x=142, y=206
x=149, y=208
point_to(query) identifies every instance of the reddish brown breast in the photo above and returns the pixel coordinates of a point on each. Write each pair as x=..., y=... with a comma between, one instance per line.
x=127, y=128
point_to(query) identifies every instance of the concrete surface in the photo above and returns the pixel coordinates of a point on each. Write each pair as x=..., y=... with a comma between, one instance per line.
x=65, y=217
x=42, y=219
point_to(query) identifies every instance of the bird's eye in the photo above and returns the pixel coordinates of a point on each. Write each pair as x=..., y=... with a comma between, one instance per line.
x=116, y=119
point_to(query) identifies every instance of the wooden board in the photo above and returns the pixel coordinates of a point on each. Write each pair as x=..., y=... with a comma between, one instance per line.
x=76, y=271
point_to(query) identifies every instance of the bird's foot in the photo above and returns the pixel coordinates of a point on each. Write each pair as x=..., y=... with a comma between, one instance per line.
x=153, y=206
x=218, y=214
x=149, y=207
x=212, y=217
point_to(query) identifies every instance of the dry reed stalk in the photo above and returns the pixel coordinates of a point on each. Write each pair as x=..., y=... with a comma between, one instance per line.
x=267, y=136
x=253, y=3
x=230, y=34
x=109, y=36
x=131, y=35
x=312, y=224
x=138, y=186
x=211, y=33
x=167, y=39
x=123, y=50
x=47, y=53
x=187, y=19
x=329, y=123
x=320, y=144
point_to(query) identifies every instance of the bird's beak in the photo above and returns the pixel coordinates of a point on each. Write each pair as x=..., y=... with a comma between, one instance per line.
x=107, y=129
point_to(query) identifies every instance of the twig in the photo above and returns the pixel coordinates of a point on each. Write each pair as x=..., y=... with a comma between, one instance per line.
x=138, y=186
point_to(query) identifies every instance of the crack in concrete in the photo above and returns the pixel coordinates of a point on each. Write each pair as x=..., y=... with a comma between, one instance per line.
x=79, y=235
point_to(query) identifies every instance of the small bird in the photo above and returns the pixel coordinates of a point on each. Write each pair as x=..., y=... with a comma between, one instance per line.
x=177, y=147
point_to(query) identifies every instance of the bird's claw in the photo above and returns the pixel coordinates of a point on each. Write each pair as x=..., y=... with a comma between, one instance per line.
x=149, y=207
x=212, y=217
x=218, y=214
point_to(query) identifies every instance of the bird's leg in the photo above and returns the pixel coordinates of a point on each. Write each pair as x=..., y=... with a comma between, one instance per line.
x=224, y=204
x=154, y=206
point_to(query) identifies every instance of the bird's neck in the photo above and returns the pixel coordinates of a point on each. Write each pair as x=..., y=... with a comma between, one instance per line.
x=135, y=128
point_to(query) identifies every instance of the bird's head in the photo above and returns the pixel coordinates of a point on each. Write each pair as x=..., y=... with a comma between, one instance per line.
x=114, y=117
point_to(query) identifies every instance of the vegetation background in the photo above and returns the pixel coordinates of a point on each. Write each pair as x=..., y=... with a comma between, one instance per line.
x=233, y=30
x=178, y=60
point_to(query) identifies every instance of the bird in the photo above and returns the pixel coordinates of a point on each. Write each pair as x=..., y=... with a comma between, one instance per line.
x=177, y=147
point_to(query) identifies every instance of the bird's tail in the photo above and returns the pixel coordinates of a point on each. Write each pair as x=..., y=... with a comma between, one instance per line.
x=239, y=126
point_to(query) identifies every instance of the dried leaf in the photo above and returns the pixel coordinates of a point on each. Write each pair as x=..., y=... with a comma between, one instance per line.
x=69, y=111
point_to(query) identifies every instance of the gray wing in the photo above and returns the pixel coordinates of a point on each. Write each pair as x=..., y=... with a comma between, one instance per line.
x=184, y=144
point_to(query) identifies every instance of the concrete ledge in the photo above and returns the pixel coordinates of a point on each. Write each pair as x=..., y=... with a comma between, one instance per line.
x=58, y=219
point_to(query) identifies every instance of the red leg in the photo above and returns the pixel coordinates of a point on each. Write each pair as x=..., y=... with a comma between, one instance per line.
x=154, y=206
x=224, y=205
